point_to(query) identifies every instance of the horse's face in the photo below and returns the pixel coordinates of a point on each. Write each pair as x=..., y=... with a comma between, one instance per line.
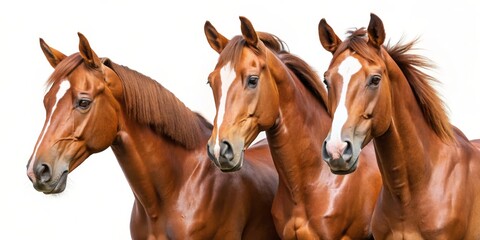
x=245, y=96
x=81, y=117
x=358, y=95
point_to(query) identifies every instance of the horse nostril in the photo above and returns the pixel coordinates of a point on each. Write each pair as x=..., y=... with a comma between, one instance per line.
x=325, y=154
x=210, y=153
x=43, y=173
x=348, y=152
x=226, y=151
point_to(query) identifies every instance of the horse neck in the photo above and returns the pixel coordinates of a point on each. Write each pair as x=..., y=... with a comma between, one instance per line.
x=296, y=138
x=403, y=150
x=155, y=166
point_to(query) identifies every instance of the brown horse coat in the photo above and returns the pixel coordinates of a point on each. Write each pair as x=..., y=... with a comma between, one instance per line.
x=93, y=103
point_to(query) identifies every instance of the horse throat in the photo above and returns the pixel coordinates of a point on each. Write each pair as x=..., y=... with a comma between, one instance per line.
x=297, y=129
x=155, y=166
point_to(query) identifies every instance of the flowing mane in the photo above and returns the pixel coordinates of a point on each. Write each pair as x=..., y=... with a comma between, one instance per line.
x=149, y=103
x=428, y=99
x=300, y=68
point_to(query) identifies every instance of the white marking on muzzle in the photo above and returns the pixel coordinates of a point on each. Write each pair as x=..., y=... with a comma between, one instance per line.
x=64, y=86
x=347, y=69
x=227, y=75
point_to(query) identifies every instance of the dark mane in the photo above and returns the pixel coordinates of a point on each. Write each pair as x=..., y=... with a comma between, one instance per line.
x=300, y=68
x=149, y=103
x=420, y=82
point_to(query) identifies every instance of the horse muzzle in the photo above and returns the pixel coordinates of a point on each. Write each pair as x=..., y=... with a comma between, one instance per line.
x=225, y=157
x=45, y=180
x=340, y=157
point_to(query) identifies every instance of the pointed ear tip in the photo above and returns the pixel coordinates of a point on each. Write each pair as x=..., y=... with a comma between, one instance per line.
x=207, y=24
x=322, y=23
x=243, y=19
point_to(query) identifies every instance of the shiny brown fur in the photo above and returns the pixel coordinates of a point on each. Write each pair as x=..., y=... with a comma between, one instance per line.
x=160, y=146
x=277, y=92
x=430, y=170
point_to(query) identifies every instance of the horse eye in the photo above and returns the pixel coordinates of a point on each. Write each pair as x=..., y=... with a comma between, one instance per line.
x=375, y=80
x=83, y=104
x=252, y=81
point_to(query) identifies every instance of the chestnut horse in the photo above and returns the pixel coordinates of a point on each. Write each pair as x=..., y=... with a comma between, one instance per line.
x=430, y=171
x=93, y=103
x=258, y=86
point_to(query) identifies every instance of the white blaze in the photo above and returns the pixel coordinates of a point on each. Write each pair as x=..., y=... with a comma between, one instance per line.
x=347, y=69
x=64, y=86
x=227, y=75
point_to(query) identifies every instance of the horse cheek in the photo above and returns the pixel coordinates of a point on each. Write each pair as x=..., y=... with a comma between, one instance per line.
x=105, y=130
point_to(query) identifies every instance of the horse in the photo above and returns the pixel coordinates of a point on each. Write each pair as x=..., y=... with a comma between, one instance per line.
x=93, y=103
x=430, y=171
x=259, y=86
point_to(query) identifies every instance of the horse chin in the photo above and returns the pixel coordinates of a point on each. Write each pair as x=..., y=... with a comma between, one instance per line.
x=60, y=185
x=347, y=169
x=234, y=169
x=236, y=166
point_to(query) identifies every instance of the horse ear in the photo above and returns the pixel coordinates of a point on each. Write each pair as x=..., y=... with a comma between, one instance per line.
x=54, y=56
x=88, y=55
x=248, y=32
x=216, y=40
x=330, y=41
x=376, y=32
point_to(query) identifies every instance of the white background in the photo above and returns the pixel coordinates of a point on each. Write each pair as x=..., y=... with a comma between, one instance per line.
x=166, y=42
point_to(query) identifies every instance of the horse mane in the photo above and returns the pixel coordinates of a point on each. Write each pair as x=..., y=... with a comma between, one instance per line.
x=148, y=103
x=411, y=65
x=304, y=72
x=307, y=76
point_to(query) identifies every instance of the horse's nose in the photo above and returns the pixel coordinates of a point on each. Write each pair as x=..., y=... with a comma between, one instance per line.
x=336, y=150
x=347, y=152
x=43, y=173
x=327, y=157
x=226, y=152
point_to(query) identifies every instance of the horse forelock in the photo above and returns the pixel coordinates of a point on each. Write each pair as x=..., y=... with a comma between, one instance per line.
x=411, y=65
x=356, y=41
x=65, y=67
x=149, y=103
x=233, y=51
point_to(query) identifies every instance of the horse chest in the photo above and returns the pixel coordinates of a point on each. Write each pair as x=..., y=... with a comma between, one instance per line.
x=435, y=217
